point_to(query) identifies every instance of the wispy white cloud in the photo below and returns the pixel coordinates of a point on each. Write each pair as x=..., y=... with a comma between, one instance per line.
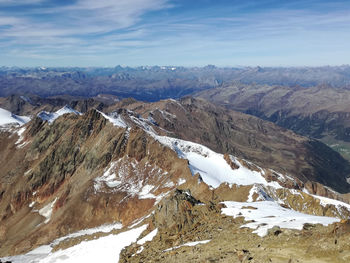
x=10, y=21
x=80, y=18
x=19, y=2
x=123, y=32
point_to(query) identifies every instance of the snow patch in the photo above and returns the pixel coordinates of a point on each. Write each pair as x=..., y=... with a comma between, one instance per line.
x=148, y=237
x=160, y=197
x=109, y=178
x=46, y=211
x=20, y=137
x=165, y=115
x=181, y=181
x=143, y=124
x=128, y=175
x=189, y=244
x=268, y=214
x=90, y=231
x=324, y=201
x=145, y=192
x=169, y=184
x=138, y=221
x=140, y=250
x=105, y=248
x=27, y=172
x=306, y=191
x=8, y=119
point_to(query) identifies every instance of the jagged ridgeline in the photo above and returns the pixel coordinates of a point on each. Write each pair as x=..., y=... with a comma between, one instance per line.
x=170, y=180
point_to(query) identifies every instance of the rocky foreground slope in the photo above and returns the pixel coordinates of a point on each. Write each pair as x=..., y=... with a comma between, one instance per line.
x=208, y=233
x=84, y=185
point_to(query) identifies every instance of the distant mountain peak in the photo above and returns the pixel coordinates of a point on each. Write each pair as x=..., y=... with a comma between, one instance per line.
x=52, y=116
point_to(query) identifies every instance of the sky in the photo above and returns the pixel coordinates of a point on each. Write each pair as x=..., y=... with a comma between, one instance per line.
x=106, y=33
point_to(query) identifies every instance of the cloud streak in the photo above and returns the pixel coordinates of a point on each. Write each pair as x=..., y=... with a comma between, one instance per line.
x=82, y=17
x=19, y=2
x=136, y=32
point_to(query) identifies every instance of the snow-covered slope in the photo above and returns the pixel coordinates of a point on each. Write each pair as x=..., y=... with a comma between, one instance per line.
x=52, y=116
x=104, y=249
x=212, y=166
x=7, y=118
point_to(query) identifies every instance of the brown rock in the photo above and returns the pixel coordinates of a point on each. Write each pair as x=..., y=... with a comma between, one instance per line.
x=230, y=162
x=174, y=214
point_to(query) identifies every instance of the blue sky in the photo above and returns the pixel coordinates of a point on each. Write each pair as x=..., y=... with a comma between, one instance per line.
x=174, y=32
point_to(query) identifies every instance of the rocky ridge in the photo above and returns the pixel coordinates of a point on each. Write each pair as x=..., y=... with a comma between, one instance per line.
x=248, y=138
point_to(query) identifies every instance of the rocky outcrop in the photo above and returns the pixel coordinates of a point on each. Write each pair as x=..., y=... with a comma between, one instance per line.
x=230, y=162
x=319, y=189
x=176, y=214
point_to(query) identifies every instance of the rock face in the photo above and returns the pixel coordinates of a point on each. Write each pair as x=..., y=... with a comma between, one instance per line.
x=87, y=170
x=229, y=161
x=174, y=214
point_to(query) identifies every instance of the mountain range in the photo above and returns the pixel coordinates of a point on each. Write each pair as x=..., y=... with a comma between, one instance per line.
x=170, y=175
x=155, y=83
x=165, y=164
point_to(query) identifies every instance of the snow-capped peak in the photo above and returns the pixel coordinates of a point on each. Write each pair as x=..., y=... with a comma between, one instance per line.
x=52, y=116
x=115, y=119
x=67, y=109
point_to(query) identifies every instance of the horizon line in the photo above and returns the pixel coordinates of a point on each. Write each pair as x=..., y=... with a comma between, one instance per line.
x=176, y=66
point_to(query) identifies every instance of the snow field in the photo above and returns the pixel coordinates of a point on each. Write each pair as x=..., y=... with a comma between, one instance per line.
x=7, y=118
x=267, y=214
x=104, y=249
